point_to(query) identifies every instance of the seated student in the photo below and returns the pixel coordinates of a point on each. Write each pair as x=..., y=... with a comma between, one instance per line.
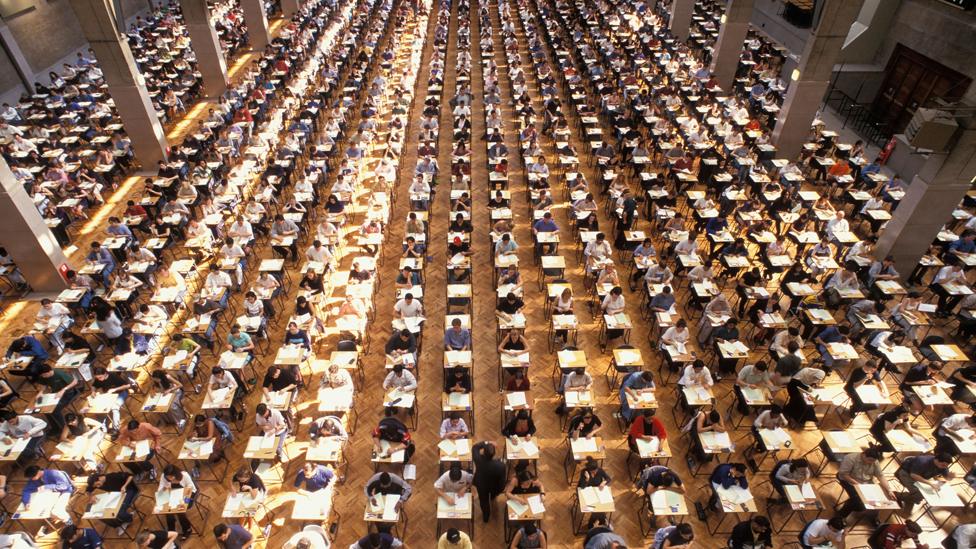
x=74, y=537
x=453, y=483
x=453, y=427
x=314, y=477
x=861, y=468
x=947, y=433
x=112, y=382
x=593, y=475
x=520, y=426
x=174, y=478
x=705, y=421
x=78, y=426
x=866, y=373
x=755, y=533
x=394, y=432
x=789, y=472
x=63, y=386
x=523, y=483
x=233, y=536
x=896, y=418
x=457, y=338
x=48, y=480
x=823, y=532
x=327, y=426
x=529, y=537
x=27, y=346
x=14, y=427
x=930, y=469
x=584, y=424
x=378, y=540
x=386, y=484
x=118, y=481
x=671, y=537
x=247, y=482
x=658, y=477
x=725, y=476
x=647, y=428
x=893, y=535
x=769, y=419
x=157, y=539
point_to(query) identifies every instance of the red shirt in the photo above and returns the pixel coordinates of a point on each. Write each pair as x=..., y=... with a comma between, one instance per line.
x=892, y=535
x=637, y=429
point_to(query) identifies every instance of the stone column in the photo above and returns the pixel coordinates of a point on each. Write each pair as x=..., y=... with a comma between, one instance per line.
x=257, y=23
x=27, y=238
x=16, y=55
x=125, y=83
x=806, y=91
x=206, y=46
x=934, y=193
x=289, y=8
x=680, y=24
x=728, y=46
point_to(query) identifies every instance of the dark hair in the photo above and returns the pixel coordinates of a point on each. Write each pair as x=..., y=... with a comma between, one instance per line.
x=220, y=530
x=69, y=532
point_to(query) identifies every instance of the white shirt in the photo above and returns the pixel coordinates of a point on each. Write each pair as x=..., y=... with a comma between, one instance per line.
x=819, y=528
x=689, y=377
x=186, y=481
x=57, y=310
x=231, y=252
x=320, y=255
x=275, y=423
x=836, y=225
x=218, y=279
x=405, y=309
x=404, y=382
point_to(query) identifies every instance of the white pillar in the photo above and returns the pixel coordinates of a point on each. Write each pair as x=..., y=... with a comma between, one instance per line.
x=27, y=238
x=805, y=94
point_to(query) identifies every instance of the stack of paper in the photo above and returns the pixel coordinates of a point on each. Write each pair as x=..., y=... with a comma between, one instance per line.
x=648, y=446
x=459, y=400
x=585, y=445
x=715, y=440
x=516, y=400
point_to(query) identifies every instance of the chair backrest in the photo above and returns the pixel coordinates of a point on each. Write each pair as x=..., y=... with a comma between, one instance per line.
x=346, y=345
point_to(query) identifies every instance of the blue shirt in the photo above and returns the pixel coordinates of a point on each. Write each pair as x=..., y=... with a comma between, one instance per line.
x=89, y=540
x=963, y=245
x=633, y=381
x=830, y=335
x=320, y=479
x=52, y=480
x=34, y=348
x=715, y=225
x=544, y=226
x=457, y=340
x=723, y=475
x=102, y=256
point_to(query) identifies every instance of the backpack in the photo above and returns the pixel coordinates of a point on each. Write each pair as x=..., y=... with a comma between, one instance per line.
x=223, y=429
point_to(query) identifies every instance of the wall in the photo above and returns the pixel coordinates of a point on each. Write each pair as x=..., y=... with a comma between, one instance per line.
x=8, y=72
x=935, y=30
x=46, y=33
x=766, y=19
x=49, y=35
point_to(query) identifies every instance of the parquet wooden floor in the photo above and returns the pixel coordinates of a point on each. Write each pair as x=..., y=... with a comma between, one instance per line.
x=420, y=532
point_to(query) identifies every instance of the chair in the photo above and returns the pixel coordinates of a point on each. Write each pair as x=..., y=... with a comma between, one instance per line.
x=613, y=378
